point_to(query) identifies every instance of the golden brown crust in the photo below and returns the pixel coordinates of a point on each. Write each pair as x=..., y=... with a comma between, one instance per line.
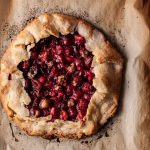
x=107, y=66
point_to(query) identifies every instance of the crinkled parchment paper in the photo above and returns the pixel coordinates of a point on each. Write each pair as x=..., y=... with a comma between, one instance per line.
x=126, y=23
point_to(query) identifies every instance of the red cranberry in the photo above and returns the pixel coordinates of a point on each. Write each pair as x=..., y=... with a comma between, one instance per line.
x=64, y=106
x=68, y=51
x=27, y=84
x=77, y=94
x=60, y=95
x=86, y=87
x=69, y=59
x=35, y=94
x=60, y=66
x=87, y=96
x=53, y=43
x=63, y=115
x=79, y=40
x=76, y=81
x=88, y=61
x=80, y=115
x=79, y=64
x=42, y=79
x=43, y=56
x=24, y=65
x=37, y=85
x=59, y=49
x=83, y=52
x=54, y=77
x=60, y=58
x=46, y=93
x=54, y=112
x=53, y=71
x=72, y=112
x=90, y=77
x=49, y=84
x=53, y=93
x=82, y=104
x=65, y=40
x=69, y=89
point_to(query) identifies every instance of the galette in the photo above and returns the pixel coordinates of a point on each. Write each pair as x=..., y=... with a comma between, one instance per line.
x=60, y=77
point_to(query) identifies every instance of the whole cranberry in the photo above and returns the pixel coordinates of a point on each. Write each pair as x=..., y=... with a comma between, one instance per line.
x=63, y=115
x=77, y=94
x=34, y=94
x=27, y=84
x=42, y=79
x=61, y=66
x=80, y=115
x=53, y=93
x=72, y=112
x=69, y=89
x=82, y=104
x=65, y=40
x=53, y=71
x=24, y=65
x=36, y=84
x=49, y=84
x=68, y=51
x=86, y=87
x=60, y=95
x=88, y=61
x=64, y=106
x=76, y=81
x=54, y=112
x=79, y=40
x=87, y=96
x=53, y=43
x=69, y=59
x=78, y=62
x=60, y=58
x=59, y=49
x=83, y=52
x=43, y=56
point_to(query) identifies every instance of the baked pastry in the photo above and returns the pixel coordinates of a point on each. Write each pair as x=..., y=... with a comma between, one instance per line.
x=60, y=77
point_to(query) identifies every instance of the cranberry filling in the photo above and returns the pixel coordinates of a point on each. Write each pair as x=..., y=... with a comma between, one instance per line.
x=58, y=77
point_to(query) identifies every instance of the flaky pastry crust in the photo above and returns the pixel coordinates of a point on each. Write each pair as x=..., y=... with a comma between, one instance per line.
x=107, y=66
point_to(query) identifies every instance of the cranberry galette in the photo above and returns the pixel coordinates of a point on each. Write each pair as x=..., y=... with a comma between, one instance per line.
x=60, y=77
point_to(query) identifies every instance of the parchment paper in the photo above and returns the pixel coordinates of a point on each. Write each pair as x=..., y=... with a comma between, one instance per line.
x=126, y=23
